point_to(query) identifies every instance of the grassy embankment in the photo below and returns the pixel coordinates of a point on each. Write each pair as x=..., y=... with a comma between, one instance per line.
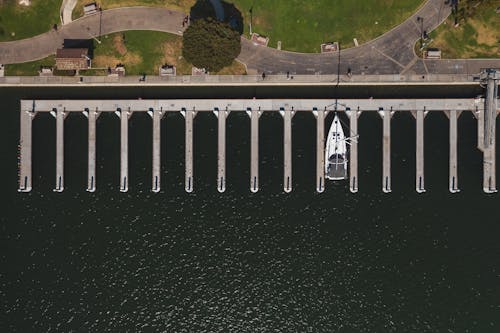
x=140, y=51
x=18, y=22
x=476, y=37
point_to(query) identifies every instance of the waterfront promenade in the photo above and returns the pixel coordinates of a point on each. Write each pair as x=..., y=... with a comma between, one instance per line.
x=391, y=53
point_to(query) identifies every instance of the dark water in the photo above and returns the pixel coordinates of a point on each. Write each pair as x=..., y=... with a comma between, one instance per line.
x=243, y=262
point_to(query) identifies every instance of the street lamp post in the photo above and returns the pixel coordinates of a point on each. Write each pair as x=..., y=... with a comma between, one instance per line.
x=251, y=14
x=421, y=20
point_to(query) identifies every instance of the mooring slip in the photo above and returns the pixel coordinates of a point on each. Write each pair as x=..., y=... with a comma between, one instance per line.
x=386, y=154
x=453, y=117
x=286, y=107
x=92, y=116
x=320, y=150
x=221, y=150
x=419, y=181
x=287, y=149
x=254, y=149
x=59, y=150
x=124, y=115
x=24, y=160
x=189, y=115
x=353, y=152
x=157, y=115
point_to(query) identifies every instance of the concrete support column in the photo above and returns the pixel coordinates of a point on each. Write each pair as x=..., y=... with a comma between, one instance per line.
x=287, y=147
x=60, y=115
x=189, y=117
x=320, y=149
x=254, y=149
x=25, y=143
x=221, y=155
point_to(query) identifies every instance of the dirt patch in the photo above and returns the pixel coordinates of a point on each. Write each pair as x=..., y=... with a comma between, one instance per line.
x=130, y=59
x=484, y=34
x=119, y=44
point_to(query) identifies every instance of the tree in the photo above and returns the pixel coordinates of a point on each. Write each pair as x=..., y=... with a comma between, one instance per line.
x=210, y=44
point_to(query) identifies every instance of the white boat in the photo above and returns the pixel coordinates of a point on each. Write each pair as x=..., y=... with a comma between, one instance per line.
x=336, y=152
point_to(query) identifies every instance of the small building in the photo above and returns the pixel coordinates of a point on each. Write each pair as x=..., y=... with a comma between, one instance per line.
x=46, y=71
x=167, y=70
x=330, y=47
x=432, y=53
x=259, y=40
x=72, y=59
x=90, y=8
x=119, y=70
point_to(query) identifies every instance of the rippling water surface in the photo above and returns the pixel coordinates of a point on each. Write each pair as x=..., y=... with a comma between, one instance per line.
x=243, y=262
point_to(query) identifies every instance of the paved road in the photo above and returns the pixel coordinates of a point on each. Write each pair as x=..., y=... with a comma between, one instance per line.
x=391, y=53
x=105, y=22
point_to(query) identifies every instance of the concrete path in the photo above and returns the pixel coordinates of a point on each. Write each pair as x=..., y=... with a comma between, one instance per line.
x=391, y=53
x=67, y=7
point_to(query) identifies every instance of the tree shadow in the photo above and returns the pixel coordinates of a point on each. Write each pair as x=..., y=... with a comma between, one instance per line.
x=218, y=10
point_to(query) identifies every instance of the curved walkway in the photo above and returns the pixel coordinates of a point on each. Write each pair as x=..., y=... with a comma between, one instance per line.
x=391, y=53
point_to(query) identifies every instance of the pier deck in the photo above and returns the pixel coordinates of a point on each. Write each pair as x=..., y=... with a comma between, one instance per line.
x=123, y=150
x=254, y=149
x=155, y=187
x=287, y=107
x=189, y=115
x=353, y=150
x=59, y=150
x=386, y=154
x=419, y=179
x=320, y=150
x=453, y=117
x=25, y=142
x=91, y=178
x=287, y=150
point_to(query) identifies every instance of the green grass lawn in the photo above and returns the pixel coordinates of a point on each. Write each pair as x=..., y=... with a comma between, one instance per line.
x=302, y=25
x=477, y=37
x=29, y=68
x=18, y=22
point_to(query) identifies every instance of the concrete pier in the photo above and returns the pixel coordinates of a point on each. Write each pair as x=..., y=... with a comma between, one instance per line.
x=419, y=178
x=25, y=142
x=189, y=117
x=60, y=115
x=386, y=155
x=124, y=116
x=487, y=131
x=353, y=150
x=156, y=115
x=221, y=150
x=453, y=117
x=320, y=149
x=91, y=178
x=287, y=149
x=254, y=149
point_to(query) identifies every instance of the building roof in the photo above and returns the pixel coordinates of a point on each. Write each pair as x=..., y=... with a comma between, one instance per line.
x=71, y=53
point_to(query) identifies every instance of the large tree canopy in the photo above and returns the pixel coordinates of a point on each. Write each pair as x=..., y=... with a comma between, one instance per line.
x=210, y=44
